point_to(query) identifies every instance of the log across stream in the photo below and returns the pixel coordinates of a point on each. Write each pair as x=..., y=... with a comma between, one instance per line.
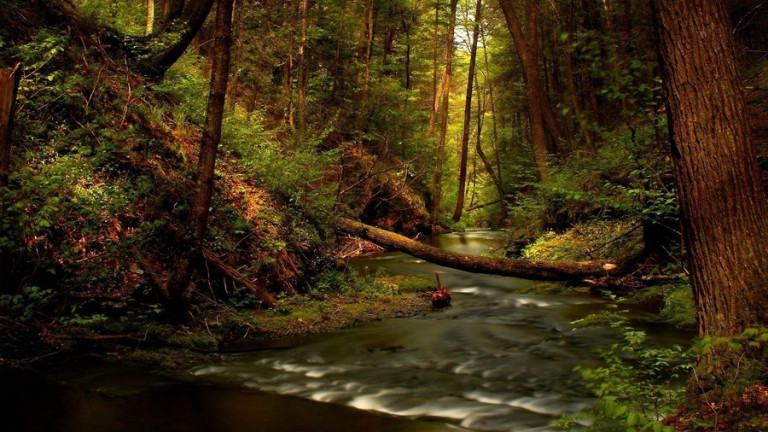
x=532, y=270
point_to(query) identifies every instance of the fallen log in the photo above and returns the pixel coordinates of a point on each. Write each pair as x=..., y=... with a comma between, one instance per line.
x=533, y=270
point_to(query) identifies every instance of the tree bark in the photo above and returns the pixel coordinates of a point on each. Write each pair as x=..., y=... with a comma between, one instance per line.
x=437, y=180
x=722, y=201
x=9, y=86
x=179, y=282
x=534, y=270
x=468, y=114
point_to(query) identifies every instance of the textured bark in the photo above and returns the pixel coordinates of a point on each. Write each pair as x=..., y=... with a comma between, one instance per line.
x=437, y=180
x=554, y=271
x=541, y=117
x=179, y=282
x=723, y=205
x=9, y=86
x=468, y=114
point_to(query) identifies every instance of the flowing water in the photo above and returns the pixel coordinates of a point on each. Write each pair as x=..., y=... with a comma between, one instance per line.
x=498, y=360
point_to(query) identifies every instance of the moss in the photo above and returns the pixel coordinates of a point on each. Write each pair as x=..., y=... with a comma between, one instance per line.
x=411, y=284
x=608, y=240
x=195, y=340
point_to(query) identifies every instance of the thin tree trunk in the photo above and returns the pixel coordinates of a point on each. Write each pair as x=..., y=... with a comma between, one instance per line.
x=489, y=83
x=436, y=96
x=237, y=24
x=437, y=180
x=150, y=17
x=288, y=73
x=303, y=70
x=368, y=56
x=468, y=114
x=9, y=87
x=487, y=163
x=722, y=200
x=407, y=29
x=179, y=282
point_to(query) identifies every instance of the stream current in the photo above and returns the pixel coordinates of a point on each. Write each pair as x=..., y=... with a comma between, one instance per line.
x=497, y=360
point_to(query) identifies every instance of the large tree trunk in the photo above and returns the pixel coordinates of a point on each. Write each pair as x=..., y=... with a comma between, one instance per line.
x=468, y=115
x=9, y=86
x=437, y=180
x=179, y=282
x=555, y=271
x=723, y=204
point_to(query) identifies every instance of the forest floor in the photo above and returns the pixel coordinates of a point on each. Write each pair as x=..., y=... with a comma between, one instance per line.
x=217, y=330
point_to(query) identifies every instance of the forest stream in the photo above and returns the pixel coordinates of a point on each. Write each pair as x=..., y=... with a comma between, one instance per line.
x=497, y=360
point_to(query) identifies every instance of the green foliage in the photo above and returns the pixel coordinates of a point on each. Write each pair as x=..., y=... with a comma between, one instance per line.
x=636, y=387
x=128, y=17
x=185, y=88
x=679, y=308
x=27, y=303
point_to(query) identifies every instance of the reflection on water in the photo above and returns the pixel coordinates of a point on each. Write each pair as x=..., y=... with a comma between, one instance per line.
x=496, y=361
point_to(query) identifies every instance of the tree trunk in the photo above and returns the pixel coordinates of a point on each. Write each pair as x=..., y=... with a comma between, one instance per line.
x=541, y=117
x=468, y=114
x=150, y=17
x=498, y=179
x=554, y=271
x=487, y=164
x=436, y=97
x=288, y=73
x=178, y=284
x=9, y=86
x=367, y=58
x=437, y=180
x=303, y=83
x=722, y=201
x=237, y=45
